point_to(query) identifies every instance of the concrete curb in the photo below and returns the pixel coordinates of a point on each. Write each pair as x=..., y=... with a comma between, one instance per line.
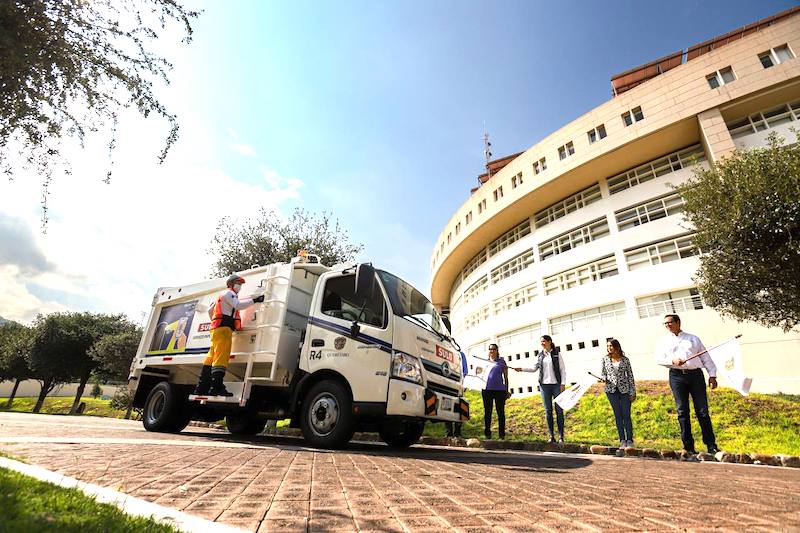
x=128, y=504
x=787, y=461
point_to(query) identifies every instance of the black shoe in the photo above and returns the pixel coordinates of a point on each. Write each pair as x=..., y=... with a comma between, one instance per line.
x=552, y=440
x=204, y=383
x=713, y=449
x=487, y=435
x=691, y=452
x=561, y=439
x=217, y=386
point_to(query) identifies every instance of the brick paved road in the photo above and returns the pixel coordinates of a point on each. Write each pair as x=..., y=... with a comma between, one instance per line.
x=275, y=484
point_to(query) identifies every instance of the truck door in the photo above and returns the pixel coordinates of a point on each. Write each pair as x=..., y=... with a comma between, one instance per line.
x=362, y=359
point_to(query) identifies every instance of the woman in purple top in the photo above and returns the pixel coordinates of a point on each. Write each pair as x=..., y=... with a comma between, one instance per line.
x=496, y=391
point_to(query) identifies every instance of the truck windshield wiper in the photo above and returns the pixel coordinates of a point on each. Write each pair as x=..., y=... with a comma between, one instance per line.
x=427, y=326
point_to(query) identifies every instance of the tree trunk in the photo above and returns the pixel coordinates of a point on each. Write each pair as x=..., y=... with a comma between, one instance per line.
x=13, y=393
x=47, y=386
x=78, y=394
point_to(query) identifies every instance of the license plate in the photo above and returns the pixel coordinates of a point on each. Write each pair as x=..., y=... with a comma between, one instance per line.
x=447, y=404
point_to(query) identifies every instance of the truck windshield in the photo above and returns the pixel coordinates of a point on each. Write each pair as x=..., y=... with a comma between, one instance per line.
x=408, y=301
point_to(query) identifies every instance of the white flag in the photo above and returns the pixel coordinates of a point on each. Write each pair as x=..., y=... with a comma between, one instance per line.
x=569, y=398
x=728, y=359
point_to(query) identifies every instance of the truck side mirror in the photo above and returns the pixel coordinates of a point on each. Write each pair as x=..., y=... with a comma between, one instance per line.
x=354, y=329
x=365, y=277
x=446, y=322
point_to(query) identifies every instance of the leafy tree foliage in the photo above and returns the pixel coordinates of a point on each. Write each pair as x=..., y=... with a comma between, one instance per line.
x=68, y=67
x=267, y=239
x=14, y=348
x=746, y=210
x=114, y=353
x=61, y=345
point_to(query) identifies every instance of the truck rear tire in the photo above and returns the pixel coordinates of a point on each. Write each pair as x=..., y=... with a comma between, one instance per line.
x=401, y=434
x=245, y=424
x=165, y=409
x=327, y=418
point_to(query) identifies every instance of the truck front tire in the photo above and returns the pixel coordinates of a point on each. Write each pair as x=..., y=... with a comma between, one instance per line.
x=245, y=424
x=397, y=434
x=165, y=409
x=327, y=418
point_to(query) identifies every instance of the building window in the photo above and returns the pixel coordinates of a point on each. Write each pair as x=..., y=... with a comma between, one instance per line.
x=596, y=134
x=589, y=232
x=513, y=266
x=720, y=77
x=482, y=205
x=523, y=336
x=516, y=180
x=595, y=343
x=514, y=299
x=589, y=318
x=474, y=290
x=510, y=237
x=669, y=302
x=634, y=115
x=775, y=56
x=569, y=204
x=649, y=211
x=661, y=252
x=764, y=120
x=474, y=263
x=605, y=267
x=458, y=228
x=656, y=168
x=473, y=319
x=468, y=218
x=449, y=237
x=498, y=193
x=566, y=150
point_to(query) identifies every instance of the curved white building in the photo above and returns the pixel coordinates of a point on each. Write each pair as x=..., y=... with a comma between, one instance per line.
x=582, y=237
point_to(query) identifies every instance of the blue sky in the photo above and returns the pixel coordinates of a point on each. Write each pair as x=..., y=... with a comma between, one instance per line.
x=373, y=111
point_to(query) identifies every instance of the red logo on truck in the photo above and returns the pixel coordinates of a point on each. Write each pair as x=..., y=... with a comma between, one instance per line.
x=447, y=355
x=204, y=327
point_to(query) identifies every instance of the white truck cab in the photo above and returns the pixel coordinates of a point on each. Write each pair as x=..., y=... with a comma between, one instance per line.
x=335, y=349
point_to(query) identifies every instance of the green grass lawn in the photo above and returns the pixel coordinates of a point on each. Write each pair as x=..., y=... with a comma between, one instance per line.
x=759, y=423
x=27, y=504
x=60, y=405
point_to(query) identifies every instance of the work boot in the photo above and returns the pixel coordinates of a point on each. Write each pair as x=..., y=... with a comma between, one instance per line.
x=217, y=387
x=204, y=384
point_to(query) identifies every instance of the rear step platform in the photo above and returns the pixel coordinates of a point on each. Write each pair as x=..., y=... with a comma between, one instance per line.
x=203, y=399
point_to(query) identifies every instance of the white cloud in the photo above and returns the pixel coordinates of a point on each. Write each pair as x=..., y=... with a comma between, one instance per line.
x=243, y=149
x=114, y=245
x=16, y=301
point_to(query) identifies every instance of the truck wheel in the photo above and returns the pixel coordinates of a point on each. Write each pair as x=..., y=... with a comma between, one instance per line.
x=327, y=416
x=165, y=409
x=401, y=434
x=245, y=424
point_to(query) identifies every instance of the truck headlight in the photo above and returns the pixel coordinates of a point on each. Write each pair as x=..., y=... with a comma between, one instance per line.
x=406, y=367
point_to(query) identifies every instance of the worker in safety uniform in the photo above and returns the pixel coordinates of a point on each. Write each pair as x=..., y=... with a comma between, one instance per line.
x=225, y=320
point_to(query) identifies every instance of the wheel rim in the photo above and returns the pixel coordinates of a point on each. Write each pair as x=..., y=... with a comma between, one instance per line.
x=155, y=406
x=323, y=414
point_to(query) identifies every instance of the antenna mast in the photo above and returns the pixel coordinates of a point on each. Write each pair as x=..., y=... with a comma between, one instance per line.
x=487, y=151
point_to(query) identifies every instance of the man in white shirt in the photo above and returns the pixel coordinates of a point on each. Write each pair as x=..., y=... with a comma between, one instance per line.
x=675, y=351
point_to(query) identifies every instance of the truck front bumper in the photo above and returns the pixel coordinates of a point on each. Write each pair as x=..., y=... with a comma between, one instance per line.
x=411, y=399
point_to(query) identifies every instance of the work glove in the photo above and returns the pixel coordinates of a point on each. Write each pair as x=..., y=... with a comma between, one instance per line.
x=258, y=299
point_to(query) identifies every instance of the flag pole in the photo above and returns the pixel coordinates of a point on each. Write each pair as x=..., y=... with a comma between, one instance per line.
x=596, y=377
x=707, y=349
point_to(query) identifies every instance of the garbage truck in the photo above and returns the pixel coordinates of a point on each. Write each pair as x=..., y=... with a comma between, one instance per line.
x=333, y=349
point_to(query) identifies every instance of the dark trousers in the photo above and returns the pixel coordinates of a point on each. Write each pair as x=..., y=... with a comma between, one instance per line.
x=499, y=399
x=621, y=405
x=549, y=392
x=453, y=429
x=693, y=384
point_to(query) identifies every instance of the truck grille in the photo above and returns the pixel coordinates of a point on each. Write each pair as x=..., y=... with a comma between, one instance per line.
x=437, y=369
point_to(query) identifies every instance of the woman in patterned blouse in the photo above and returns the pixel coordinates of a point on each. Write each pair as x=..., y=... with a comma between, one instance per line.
x=620, y=389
